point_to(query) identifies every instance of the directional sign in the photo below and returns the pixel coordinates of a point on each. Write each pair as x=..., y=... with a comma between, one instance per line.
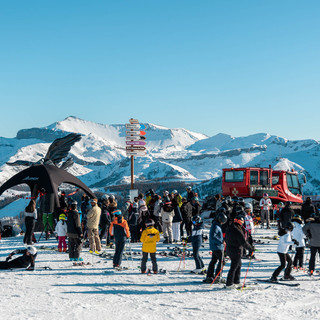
x=135, y=138
x=137, y=133
x=135, y=126
x=136, y=153
x=133, y=120
x=137, y=143
x=131, y=148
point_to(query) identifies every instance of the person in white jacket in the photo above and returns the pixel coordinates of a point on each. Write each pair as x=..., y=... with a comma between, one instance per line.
x=298, y=235
x=265, y=205
x=61, y=231
x=284, y=243
x=167, y=214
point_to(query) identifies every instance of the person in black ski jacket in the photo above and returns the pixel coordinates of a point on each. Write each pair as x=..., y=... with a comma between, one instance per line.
x=186, y=212
x=235, y=241
x=105, y=220
x=307, y=209
x=286, y=214
x=74, y=233
x=27, y=260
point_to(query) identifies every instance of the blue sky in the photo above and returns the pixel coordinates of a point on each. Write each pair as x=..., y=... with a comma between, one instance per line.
x=237, y=67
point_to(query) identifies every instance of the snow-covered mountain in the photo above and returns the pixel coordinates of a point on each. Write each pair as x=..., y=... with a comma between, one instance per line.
x=172, y=154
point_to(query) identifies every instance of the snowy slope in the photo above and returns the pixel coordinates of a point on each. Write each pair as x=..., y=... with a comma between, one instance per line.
x=99, y=292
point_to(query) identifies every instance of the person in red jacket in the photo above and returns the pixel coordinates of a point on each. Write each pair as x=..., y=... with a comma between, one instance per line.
x=120, y=230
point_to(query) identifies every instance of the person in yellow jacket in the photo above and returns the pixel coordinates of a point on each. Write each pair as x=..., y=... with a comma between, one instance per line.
x=149, y=238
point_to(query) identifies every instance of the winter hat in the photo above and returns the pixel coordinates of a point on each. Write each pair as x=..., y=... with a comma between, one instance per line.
x=32, y=250
x=265, y=195
x=94, y=200
x=149, y=223
x=62, y=216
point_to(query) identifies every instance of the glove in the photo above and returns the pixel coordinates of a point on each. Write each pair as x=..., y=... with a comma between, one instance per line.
x=295, y=242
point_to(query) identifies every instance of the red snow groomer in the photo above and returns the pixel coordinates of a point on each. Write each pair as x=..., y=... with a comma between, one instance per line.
x=249, y=182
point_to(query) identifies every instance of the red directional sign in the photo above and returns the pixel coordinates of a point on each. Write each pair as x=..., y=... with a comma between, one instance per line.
x=136, y=133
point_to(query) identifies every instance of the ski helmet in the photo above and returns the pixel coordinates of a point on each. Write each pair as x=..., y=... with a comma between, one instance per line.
x=221, y=217
x=74, y=202
x=189, y=188
x=62, y=216
x=149, y=223
x=174, y=192
x=248, y=206
x=289, y=226
x=32, y=250
x=196, y=220
x=105, y=197
x=166, y=193
x=228, y=198
x=239, y=220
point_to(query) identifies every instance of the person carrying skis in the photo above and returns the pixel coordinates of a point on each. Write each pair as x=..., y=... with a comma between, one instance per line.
x=120, y=230
x=27, y=260
x=216, y=243
x=235, y=241
x=61, y=231
x=196, y=240
x=284, y=243
x=149, y=238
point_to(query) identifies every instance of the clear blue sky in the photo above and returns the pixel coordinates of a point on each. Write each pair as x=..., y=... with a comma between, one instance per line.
x=236, y=66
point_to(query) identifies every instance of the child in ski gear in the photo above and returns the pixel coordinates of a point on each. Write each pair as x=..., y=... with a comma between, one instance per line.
x=312, y=231
x=266, y=205
x=74, y=233
x=93, y=219
x=61, y=231
x=298, y=235
x=235, y=241
x=27, y=260
x=283, y=247
x=216, y=243
x=30, y=214
x=167, y=214
x=120, y=230
x=149, y=238
x=196, y=240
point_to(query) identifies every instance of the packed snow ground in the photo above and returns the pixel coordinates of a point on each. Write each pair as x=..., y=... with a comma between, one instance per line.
x=98, y=292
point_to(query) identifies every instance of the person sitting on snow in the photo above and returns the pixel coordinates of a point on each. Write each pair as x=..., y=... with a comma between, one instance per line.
x=27, y=259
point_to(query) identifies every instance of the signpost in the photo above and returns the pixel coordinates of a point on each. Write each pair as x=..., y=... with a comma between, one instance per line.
x=135, y=144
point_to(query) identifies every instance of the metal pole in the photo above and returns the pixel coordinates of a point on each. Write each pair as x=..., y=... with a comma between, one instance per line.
x=132, y=169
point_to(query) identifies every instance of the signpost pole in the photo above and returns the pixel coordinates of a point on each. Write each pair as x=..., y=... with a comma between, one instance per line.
x=132, y=168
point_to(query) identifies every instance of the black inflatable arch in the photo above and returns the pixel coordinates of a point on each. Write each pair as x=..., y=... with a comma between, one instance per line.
x=48, y=177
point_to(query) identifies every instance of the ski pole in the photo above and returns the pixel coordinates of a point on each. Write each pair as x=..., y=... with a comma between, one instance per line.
x=244, y=281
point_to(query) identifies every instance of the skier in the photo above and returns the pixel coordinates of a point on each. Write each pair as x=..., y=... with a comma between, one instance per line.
x=105, y=219
x=149, y=238
x=249, y=225
x=74, y=233
x=286, y=214
x=283, y=247
x=93, y=219
x=265, y=204
x=133, y=221
x=235, y=241
x=30, y=214
x=186, y=212
x=196, y=240
x=298, y=235
x=216, y=242
x=27, y=260
x=156, y=212
x=120, y=230
x=312, y=231
x=167, y=214
x=177, y=218
x=190, y=194
x=61, y=231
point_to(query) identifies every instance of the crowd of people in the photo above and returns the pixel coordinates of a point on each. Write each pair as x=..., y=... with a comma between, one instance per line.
x=179, y=220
